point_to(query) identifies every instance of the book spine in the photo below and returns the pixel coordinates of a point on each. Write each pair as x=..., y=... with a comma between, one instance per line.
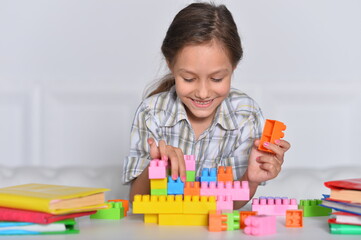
x=24, y=202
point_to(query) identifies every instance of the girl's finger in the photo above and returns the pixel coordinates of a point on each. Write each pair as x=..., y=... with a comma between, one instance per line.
x=271, y=169
x=154, y=151
x=173, y=158
x=181, y=164
x=163, y=150
x=283, y=144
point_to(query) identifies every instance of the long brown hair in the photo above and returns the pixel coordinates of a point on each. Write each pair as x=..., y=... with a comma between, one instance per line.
x=199, y=23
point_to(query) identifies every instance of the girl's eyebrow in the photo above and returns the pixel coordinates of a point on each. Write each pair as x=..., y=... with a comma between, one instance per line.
x=225, y=70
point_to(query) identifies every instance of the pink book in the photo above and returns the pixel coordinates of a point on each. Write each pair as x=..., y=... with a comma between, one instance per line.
x=19, y=215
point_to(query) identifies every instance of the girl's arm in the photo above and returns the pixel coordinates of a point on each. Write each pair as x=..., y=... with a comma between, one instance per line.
x=140, y=185
x=263, y=166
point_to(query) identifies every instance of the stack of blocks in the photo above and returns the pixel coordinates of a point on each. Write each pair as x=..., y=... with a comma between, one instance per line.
x=173, y=202
x=210, y=200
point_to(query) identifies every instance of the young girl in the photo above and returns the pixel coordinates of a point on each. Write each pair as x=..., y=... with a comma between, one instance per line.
x=194, y=110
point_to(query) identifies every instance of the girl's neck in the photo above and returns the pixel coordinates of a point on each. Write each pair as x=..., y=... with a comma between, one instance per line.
x=199, y=125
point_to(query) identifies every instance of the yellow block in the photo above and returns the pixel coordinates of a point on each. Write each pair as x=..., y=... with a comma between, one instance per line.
x=158, y=183
x=154, y=204
x=199, y=204
x=183, y=219
x=150, y=218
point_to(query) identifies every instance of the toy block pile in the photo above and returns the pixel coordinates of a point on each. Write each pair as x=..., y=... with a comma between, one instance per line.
x=173, y=202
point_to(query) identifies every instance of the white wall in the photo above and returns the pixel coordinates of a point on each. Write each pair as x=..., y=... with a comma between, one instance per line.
x=73, y=72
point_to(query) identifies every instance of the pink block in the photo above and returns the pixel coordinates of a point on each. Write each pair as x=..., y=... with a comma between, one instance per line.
x=190, y=162
x=273, y=206
x=157, y=169
x=224, y=202
x=260, y=225
x=235, y=189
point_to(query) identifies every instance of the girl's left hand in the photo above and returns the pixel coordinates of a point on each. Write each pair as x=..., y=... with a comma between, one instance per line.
x=263, y=166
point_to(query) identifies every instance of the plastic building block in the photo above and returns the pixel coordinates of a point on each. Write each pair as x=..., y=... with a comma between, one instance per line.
x=260, y=225
x=232, y=219
x=243, y=215
x=146, y=204
x=125, y=204
x=150, y=218
x=115, y=211
x=273, y=206
x=183, y=219
x=209, y=175
x=199, y=204
x=157, y=169
x=294, y=218
x=225, y=174
x=190, y=162
x=192, y=189
x=158, y=192
x=311, y=208
x=237, y=190
x=190, y=176
x=224, y=202
x=158, y=183
x=217, y=221
x=175, y=187
x=273, y=130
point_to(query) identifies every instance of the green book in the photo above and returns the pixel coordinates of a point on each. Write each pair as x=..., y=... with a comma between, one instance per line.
x=345, y=229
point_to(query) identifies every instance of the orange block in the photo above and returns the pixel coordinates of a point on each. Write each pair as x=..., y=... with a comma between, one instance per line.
x=273, y=130
x=217, y=222
x=192, y=189
x=294, y=218
x=125, y=204
x=243, y=215
x=225, y=174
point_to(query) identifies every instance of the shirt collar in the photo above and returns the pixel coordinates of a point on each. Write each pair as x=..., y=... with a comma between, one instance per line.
x=225, y=115
x=177, y=111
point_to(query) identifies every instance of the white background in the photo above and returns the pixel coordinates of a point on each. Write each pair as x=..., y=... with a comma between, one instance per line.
x=72, y=73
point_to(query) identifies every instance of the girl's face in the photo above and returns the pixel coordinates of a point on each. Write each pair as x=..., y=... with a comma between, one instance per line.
x=202, y=79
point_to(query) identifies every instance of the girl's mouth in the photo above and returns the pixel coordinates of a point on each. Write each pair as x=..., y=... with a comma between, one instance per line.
x=202, y=104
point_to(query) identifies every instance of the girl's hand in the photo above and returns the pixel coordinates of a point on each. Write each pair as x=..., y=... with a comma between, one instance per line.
x=168, y=152
x=263, y=166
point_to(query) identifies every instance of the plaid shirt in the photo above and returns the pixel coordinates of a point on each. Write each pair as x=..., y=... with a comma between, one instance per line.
x=227, y=142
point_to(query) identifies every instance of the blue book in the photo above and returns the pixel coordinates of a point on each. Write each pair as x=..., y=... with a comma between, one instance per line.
x=26, y=228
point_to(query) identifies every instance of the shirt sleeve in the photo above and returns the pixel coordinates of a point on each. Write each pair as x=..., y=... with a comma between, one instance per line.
x=248, y=133
x=139, y=155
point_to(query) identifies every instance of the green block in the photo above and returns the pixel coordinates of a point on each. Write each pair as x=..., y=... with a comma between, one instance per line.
x=190, y=176
x=311, y=208
x=116, y=211
x=158, y=192
x=232, y=220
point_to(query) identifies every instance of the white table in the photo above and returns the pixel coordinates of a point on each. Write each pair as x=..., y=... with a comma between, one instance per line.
x=133, y=227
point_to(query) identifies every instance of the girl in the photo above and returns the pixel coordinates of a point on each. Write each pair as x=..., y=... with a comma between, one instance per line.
x=194, y=110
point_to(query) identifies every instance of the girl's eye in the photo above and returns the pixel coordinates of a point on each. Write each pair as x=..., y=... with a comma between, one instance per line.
x=217, y=79
x=188, y=79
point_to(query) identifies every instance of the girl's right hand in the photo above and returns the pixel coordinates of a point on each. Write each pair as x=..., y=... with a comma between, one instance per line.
x=167, y=152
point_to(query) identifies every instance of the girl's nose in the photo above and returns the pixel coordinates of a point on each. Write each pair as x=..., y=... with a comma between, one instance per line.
x=202, y=91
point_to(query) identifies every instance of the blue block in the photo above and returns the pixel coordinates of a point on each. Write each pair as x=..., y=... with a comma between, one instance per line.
x=209, y=175
x=175, y=187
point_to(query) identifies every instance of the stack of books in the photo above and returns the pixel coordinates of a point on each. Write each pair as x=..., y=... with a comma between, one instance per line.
x=345, y=199
x=35, y=208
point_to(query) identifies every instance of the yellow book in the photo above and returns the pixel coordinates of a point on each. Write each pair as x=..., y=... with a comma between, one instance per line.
x=54, y=199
